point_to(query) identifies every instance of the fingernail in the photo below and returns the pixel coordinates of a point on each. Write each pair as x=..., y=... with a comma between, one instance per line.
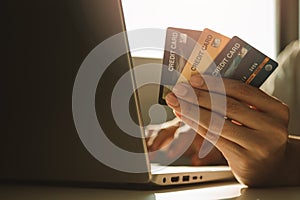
x=172, y=100
x=196, y=81
x=180, y=90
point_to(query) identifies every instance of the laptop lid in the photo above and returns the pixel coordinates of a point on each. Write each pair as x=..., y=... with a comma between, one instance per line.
x=46, y=44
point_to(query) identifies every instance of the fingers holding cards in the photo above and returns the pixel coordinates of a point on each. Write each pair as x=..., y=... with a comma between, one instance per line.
x=237, y=90
x=212, y=54
x=217, y=80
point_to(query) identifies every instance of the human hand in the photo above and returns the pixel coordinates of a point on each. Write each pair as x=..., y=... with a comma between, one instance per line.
x=254, y=136
x=176, y=139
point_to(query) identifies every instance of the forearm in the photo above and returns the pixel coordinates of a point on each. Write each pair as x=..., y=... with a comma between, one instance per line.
x=292, y=168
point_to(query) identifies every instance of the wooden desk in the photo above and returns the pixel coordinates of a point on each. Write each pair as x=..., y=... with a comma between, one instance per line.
x=228, y=190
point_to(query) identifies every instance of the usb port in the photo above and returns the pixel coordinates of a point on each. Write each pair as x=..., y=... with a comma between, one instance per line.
x=174, y=179
x=185, y=178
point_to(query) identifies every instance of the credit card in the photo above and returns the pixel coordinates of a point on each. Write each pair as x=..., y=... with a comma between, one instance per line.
x=241, y=61
x=210, y=44
x=179, y=45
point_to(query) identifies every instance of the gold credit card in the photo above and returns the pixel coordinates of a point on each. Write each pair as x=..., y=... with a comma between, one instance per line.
x=209, y=45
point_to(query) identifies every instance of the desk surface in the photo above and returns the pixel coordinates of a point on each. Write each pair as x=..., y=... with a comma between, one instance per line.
x=228, y=190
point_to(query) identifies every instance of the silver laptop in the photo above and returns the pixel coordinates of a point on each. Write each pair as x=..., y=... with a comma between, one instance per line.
x=46, y=44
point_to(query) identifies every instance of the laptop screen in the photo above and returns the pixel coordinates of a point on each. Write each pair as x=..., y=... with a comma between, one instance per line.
x=60, y=70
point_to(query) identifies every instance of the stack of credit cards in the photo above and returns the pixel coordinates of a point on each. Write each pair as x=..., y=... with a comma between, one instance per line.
x=190, y=52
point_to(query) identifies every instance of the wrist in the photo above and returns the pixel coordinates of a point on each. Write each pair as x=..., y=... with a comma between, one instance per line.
x=291, y=169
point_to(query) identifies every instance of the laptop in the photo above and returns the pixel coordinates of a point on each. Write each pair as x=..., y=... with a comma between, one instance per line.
x=46, y=44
